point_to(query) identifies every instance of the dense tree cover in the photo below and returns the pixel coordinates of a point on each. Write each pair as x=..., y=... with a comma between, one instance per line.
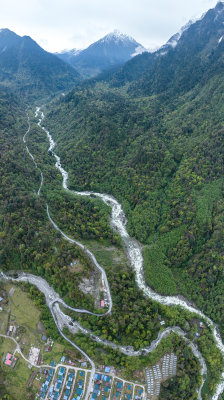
x=158, y=147
x=29, y=242
x=183, y=385
x=188, y=371
x=85, y=218
x=27, y=239
x=164, y=162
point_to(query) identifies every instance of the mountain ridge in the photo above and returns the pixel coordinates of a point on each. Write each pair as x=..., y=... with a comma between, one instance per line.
x=30, y=70
x=112, y=50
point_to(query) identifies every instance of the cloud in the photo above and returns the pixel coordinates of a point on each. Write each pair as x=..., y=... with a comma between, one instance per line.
x=58, y=24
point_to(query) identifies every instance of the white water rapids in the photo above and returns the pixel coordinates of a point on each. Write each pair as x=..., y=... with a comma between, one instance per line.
x=134, y=251
x=118, y=222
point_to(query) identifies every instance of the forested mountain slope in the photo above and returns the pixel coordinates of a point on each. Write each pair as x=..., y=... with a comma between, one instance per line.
x=178, y=67
x=31, y=71
x=160, y=151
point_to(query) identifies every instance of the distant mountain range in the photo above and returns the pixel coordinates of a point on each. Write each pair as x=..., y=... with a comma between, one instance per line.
x=30, y=70
x=112, y=50
x=187, y=58
x=34, y=73
x=158, y=146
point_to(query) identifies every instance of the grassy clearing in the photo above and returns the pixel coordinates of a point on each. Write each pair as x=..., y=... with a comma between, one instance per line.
x=15, y=380
x=55, y=354
x=23, y=308
x=106, y=254
x=6, y=345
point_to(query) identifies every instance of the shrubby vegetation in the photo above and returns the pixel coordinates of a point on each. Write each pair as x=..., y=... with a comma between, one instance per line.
x=157, y=145
x=163, y=159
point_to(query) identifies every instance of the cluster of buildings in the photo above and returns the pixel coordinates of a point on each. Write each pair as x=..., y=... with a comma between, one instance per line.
x=119, y=388
x=139, y=394
x=11, y=331
x=10, y=360
x=79, y=386
x=68, y=385
x=102, y=385
x=34, y=355
x=55, y=389
x=128, y=395
x=45, y=386
x=155, y=376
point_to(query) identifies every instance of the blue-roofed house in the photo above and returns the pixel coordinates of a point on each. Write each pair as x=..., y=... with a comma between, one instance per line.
x=84, y=364
x=93, y=396
x=129, y=387
x=69, y=384
x=82, y=373
x=63, y=359
x=117, y=394
x=140, y=391
x=107, y=389
x=107, y=369
x=108, y=378
x=119, y=385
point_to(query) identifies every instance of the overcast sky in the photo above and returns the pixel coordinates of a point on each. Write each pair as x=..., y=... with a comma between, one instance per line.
x=66, y=24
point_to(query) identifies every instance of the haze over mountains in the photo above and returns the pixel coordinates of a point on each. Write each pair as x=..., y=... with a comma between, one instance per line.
x=27, y=68
x=30, y=70
x=157, y=145
x=112, y=50
x=149, y=131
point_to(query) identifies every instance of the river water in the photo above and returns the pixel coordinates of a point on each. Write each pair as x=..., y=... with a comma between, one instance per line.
x=118, y=222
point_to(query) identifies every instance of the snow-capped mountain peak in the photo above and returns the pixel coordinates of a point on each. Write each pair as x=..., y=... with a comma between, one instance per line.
x=172, y=42
x=117, y=36
x=112, y=50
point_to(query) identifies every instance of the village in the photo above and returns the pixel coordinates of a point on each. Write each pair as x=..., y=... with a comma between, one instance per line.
x=68, y=379
x=53, y=373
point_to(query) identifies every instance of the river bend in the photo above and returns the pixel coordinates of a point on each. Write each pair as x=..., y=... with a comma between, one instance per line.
x=134, y=252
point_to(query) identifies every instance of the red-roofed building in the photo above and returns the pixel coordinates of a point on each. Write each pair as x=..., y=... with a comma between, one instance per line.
x=10, y=360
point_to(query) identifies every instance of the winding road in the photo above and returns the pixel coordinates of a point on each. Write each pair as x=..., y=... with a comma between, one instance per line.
x=118, y=222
